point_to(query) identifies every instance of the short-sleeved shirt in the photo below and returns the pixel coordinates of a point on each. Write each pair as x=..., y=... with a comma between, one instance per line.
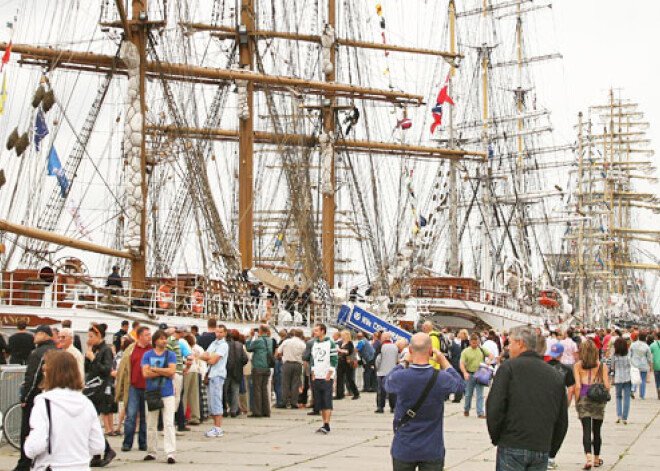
x=160, y=361
x=570, y=349
x=219, y=369
x=185, y=348
x=472, y=358
x=565, y=371
x=655, y=350
x=174, y=346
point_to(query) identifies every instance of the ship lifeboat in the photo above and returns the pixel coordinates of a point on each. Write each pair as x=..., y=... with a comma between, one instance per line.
x=546, y=300
x=198, y=301
x=164, y=296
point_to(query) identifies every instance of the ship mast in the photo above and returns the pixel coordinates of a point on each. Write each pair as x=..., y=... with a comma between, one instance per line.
x=328, y=219
x=453, y=183
x=485, y=244
x=136, y=32
x=246, y=139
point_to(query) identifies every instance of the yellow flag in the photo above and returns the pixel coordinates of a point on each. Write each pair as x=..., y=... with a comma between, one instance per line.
x=3, y=94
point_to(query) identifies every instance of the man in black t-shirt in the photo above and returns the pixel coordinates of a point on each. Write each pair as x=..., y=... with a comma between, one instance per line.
x=20, y=345
x=566, y=372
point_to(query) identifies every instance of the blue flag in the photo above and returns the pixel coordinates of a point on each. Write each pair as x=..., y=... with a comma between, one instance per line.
x=55, y=168
x=40, y=129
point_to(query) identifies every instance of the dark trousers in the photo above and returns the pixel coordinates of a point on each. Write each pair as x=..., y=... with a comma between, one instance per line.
x=25, y=463
x=291, y=372
x=231, y=390
x=369, y=381
x=260, y=380
x=180, y=414
x=417, y=465
x=135, y=406
x=346, y=377
x=514, y=459
x=591, y=427
x=304, y=396
x=380, y=397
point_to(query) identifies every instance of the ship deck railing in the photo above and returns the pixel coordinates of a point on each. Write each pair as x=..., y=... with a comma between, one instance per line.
x=476, y=295
x=235, y=305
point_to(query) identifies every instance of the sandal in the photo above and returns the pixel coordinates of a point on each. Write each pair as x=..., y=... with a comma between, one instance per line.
x=588, y=465
x=598, y=463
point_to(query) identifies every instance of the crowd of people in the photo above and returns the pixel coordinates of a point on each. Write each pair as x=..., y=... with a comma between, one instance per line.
x=168, y=379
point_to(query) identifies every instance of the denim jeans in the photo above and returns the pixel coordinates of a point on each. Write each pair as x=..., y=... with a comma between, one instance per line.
x=622, y=399
x=134, y=406
x=382, y=394
x=657, y=379
x=277, y=381
x=368, y=383
x=231, y=391
x=642, y=387
x=515, y=459
x=470, y=386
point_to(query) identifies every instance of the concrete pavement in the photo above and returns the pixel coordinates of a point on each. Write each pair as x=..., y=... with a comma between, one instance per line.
x=360, y=441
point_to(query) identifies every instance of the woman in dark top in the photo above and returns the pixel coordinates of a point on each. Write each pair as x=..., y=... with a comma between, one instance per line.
x=346, y=365
x=98, y=384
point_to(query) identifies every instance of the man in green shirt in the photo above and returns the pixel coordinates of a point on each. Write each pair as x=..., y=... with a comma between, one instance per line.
x=655, y=349
x=471, y=358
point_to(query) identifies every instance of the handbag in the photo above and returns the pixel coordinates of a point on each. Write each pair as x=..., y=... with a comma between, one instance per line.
x=270, y=359
x=483, y=375
x=597, y=391
x=94, y=389
x=154, y=399
x=635, y=376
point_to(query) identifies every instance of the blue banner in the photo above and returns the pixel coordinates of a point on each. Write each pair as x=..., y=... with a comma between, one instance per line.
x=359, y=319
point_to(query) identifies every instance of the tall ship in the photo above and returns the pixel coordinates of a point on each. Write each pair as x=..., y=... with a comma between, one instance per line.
x=217, y=156
x=610, y=263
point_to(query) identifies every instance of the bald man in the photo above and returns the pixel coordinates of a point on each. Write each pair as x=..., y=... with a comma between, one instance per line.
x=419, y=443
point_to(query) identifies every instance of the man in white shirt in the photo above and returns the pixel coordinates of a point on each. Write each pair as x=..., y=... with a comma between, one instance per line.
x=65, y=338
x=291, y=350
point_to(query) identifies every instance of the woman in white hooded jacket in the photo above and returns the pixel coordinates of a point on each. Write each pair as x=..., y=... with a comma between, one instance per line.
x=72, y=435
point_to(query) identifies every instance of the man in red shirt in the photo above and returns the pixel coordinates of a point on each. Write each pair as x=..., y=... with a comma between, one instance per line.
x=129, y=376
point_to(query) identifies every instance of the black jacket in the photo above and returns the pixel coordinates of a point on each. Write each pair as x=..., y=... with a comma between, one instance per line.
x=236, y=360
x=21, y=344
x=34, y=374
x=101, y=366
x=527, y=406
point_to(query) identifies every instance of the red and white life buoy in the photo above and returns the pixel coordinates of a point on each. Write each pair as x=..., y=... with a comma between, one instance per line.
x=198, y=301
x=164, y=297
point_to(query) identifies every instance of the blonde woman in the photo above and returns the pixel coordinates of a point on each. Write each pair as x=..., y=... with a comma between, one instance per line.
x=588, y=371
x=346, y=366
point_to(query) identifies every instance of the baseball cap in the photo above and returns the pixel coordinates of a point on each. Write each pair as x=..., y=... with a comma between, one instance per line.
x=45, y=329
x=163, y=326
x=556, y=350
x=182, y=328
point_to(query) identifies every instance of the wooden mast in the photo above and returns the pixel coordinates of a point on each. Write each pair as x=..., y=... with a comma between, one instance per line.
x=246, y=146
x=485, y=249
x=328, y=228
x=580, y=251
x=138, y=36
x=453, y=183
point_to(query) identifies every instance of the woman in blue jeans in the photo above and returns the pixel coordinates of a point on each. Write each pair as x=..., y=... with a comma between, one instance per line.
x=621, y=372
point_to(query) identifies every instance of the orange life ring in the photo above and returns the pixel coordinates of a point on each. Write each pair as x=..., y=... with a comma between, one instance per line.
x=198, y=301
x=547, y=302
x=164, y=296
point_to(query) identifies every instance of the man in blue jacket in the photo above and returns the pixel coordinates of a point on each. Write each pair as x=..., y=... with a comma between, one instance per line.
x=419, y=443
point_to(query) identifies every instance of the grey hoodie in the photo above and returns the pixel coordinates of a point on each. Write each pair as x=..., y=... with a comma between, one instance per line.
x=75, y=431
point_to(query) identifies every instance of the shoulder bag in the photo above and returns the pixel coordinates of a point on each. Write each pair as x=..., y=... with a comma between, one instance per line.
x=270, y=359
x=484, y=373
x=597, y=391
x=412, y=412
x=154, y=399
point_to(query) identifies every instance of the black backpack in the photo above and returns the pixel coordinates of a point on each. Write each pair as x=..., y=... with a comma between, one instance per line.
x=444, y=344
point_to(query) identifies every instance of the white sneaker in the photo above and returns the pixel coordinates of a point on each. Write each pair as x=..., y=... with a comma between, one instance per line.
x=214, y=432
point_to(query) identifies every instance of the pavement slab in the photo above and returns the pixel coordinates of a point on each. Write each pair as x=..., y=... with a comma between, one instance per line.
x=360, y=441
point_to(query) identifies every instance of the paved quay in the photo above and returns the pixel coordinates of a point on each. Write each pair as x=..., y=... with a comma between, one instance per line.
x=360, y=441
